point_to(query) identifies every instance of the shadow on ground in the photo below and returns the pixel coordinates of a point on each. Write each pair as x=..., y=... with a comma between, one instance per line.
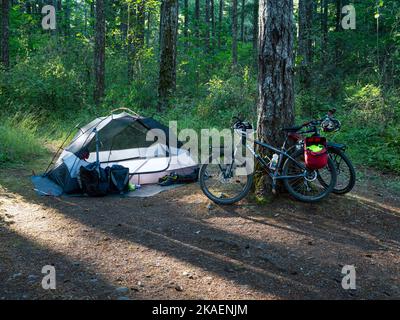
x=284, y=250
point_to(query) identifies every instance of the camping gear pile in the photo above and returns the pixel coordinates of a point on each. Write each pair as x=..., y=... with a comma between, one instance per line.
x=113, y=154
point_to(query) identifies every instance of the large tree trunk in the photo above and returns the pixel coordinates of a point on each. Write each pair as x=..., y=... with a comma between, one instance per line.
x=220, y=16
x=5, y=33
x=168, y=39
x=305, y=40
x=242, y=15
x=99, y=52
x=275, y=78
x=234, y=32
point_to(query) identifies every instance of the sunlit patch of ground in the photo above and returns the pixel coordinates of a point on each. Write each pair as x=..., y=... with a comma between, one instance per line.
x=178, y=245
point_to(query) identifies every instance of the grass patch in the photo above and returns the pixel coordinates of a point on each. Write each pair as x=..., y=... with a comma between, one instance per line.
x=19, y=140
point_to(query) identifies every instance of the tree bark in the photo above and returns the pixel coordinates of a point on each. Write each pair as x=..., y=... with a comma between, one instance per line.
x=5, y=33
x=275, y=78
x=305, y=40
x=168, y=50
x=99, y=52
x=234, y=33
x=242, y=15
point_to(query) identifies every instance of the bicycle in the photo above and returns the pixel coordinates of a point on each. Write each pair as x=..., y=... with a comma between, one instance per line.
x=218, y=183
x=346, y=174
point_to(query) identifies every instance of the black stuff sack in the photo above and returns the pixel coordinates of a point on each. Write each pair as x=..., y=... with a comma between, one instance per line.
x=93, y=180
x=118, y=178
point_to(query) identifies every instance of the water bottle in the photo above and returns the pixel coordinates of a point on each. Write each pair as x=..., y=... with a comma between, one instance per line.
x=274, y=162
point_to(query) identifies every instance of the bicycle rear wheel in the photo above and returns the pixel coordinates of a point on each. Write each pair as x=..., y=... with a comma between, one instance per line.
x=346, y=174
x=308, y=188
x=222, y=184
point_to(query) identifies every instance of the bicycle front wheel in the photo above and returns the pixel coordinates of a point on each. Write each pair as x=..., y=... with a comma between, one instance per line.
x=308, y=188
x=222, y=184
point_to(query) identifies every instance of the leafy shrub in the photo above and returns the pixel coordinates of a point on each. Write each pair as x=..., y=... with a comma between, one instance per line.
x=45, y=83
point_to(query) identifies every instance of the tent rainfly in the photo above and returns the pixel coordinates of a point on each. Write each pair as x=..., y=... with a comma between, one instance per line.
x=123, y=140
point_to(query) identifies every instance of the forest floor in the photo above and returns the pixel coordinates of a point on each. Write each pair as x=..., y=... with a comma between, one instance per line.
x=177, y=245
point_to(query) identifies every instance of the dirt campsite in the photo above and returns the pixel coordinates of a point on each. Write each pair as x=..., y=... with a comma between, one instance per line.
x=179, y=245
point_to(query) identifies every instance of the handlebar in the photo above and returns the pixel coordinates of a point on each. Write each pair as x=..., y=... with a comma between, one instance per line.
x=318, y=122
x=239, y=124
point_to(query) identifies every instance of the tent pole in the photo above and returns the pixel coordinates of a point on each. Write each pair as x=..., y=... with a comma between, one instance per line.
x=61, y=146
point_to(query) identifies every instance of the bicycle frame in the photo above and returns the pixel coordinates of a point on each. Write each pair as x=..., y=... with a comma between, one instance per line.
x=274, y=175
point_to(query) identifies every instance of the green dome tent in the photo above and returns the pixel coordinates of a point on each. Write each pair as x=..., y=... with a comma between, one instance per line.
x=125, y=139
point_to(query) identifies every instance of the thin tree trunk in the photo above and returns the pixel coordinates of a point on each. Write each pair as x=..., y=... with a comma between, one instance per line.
x=85, y=20
x=139, y=32
x=212, y=8
x=131, y=38
x=5, y=33
x=92, y=13
x=207, y=25
x=148, y=30
x=275, y=78
x=67, y=23
x=255, y=25
x=99, y=52
x=242, y=16
x=28, y=7
x=186, y=21
x=220, y=17
x=324, y=26
x=305, y=40
x=168, y=50
x=234, y=33
x=197, y=18
x=338, y=28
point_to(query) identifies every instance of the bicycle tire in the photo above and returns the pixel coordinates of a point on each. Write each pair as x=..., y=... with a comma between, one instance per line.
x=352, y=171
x=222, y=201
x=304, y=198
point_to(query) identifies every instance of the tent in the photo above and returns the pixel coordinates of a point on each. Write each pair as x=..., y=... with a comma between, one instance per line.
x=141, y=144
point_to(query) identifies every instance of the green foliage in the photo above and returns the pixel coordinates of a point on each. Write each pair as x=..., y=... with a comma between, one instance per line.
x=45, y=83
x=19, y=139
x=370, y=122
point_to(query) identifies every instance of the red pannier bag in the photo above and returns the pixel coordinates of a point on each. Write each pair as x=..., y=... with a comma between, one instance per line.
x=315, y=160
